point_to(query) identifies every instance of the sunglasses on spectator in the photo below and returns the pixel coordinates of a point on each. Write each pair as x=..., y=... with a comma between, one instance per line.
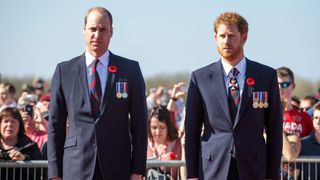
x=285, y=85
x=316, y=117
x=305, y=109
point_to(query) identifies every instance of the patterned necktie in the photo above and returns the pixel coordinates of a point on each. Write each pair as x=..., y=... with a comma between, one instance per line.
x=95, y=90
x=234, y=92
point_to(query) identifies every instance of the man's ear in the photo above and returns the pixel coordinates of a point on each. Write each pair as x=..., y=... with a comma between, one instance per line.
x=83, y=29
x=244, y=38
x=293, y=85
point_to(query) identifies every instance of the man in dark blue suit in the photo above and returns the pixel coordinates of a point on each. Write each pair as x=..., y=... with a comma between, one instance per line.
x=231, y=103
x=98, y=113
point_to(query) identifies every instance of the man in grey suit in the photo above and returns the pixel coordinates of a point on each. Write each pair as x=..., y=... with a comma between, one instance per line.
x=230, y=104
x=98, y=112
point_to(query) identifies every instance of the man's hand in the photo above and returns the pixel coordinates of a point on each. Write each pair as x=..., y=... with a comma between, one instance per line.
x=136, y=177
x=56, y=178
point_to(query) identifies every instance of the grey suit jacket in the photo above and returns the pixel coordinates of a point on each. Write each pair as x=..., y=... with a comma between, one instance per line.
x=118, y=138
x=208, y=155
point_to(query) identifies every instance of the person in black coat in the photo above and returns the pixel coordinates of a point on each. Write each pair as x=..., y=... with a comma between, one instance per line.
x=14, y=144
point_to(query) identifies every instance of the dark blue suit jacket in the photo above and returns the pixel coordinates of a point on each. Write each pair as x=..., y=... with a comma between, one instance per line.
x=208, y=156
x=118, y=138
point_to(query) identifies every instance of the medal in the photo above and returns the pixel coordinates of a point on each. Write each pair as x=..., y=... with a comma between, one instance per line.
x=121, y=90
x=255, y=100
x=260, y=100
x=261, y=105
x=124, y=95
x=266, y=100
x=119, y=95
x=255, y=105
x=118, y=90
x=125, y=87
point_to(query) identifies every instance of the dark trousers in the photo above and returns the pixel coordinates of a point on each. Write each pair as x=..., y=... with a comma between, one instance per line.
x=233, y=173
x=97, y=175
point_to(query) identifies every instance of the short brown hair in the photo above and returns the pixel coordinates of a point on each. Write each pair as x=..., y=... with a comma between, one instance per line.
x=101, y=10
x=15, y=114
x=285, y=72
x=316, y=106
x=232, y=18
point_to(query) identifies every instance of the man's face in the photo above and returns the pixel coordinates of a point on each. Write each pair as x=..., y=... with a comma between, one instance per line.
x=286, y=87
x=97, y=33
x=305, y=105
x=4, y=96
x=230, y=42
x=316, y=120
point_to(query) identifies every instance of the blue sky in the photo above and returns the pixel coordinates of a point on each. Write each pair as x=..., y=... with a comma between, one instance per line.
x=167, y=36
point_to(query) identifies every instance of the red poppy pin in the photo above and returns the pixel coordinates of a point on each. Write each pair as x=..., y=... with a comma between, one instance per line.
x=172, y=156
x=113, y=69
x=250, y=81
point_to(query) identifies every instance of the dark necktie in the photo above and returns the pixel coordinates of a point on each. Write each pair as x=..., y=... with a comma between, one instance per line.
x=234, y=93
x=95, y=90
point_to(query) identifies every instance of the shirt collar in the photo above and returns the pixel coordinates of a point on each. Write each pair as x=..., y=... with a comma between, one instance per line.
x=104, y=59
x=241, y=67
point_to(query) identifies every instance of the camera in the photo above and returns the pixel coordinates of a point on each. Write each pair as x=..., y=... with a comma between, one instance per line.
x=4, y=155
x=29, y=109
x=27, y=104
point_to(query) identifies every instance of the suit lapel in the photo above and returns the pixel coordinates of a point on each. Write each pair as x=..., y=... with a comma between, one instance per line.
x=83, y=79
x=218, y=83
x=109, y=90
x=247, y=90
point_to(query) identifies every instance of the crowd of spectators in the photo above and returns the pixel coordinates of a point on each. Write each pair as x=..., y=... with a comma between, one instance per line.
x=24, y=124
x=32, y=105
x=23, y=127
x=300, y=126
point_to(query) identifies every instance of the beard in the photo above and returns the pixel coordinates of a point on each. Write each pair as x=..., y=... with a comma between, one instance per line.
x=231, y=54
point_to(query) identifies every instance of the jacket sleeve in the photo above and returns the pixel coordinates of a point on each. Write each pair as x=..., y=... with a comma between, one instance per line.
x=193, y=125
x=274, y=122
x=57, y=125
x=138, y=115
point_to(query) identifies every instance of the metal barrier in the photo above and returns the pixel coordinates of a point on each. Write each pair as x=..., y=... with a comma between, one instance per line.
x=308, y=168
x=304, y=168
x=23, y=170
x=155, y=172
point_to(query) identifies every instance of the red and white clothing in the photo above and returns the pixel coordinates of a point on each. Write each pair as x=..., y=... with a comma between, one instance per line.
x=171, y=146
x=297, y=122
x=173, y=150
x=39, y=137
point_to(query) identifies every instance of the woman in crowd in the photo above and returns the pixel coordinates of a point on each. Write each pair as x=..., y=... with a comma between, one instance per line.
x=164, y=143
x=14, y=144
x=7, y=93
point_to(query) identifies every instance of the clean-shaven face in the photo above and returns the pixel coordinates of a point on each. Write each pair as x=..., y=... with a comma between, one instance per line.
x=285, y=93
x=97, y=33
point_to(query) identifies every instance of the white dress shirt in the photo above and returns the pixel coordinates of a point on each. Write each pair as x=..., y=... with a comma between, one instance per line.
x=102, y=68
x=241, y=67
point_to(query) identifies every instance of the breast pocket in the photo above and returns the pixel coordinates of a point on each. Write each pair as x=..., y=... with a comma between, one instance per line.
x=70, y=142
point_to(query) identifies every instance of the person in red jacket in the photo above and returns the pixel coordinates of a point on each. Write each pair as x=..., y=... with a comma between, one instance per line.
x=295, y=121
